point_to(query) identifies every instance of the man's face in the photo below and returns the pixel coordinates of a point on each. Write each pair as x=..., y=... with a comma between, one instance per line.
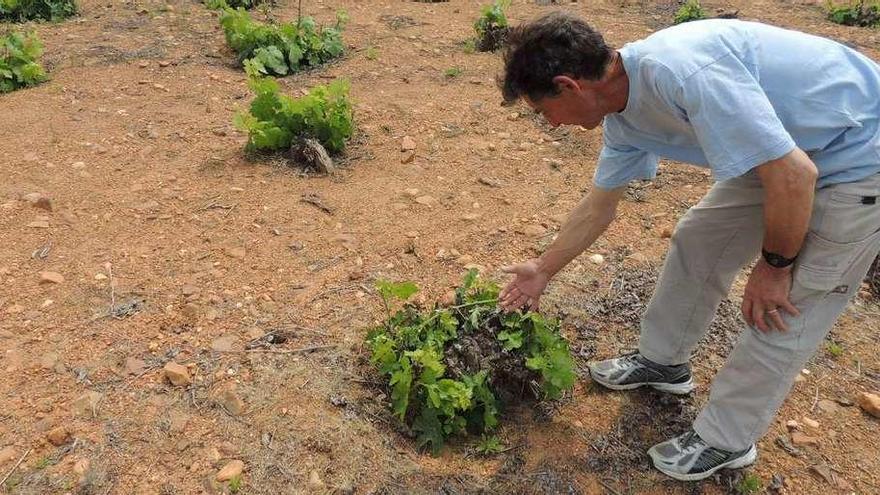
x=577, y=104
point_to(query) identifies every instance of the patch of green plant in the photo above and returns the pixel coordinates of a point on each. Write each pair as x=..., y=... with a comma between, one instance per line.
x=690, y=11
x=437, y=392
x=469, y=46
x=372, y=53
x=43, y=463
x=749, y=484
x=18, y=61
x=276, y=120
x=835, y=349
x=859, y=13
x=234, y=4
x=36, y=10
x=452, y=72
x=281, y=49
x=235, y=484
x=489, y=445
x=492, y=26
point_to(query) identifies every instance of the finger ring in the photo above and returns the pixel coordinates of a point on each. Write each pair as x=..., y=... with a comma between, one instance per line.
x=773, y=311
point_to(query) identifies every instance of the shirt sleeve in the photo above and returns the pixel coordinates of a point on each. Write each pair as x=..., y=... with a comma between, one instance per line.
x=734, y=122
x=620, y=164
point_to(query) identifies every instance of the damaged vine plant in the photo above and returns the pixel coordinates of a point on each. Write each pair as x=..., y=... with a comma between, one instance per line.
x=452, y=370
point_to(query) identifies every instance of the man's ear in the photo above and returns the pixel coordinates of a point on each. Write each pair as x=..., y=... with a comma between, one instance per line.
x=565, y=82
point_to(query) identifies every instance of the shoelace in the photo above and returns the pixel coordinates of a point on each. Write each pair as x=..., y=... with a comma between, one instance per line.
x=691, y=441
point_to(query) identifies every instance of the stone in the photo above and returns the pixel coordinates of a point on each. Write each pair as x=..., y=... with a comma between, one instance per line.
x=49, y=360
x=315, y=480
x=235, y=252
x=812, y=423
x=408, y=157
x=470, y=217
x=51, y=278
x=666, y=233
x=411, y=192
x=801, y=439
x=177, y=374
x=828, y=406
x=81, y=467
x=870, y=403
x=534, y=230
x=7, y=454
x=407, y=143
x=38, y=200
x=177, y=421
x=792, y=425
x=58, y=436
x=87, y=404
x=232, y=403
x=39, y=224
x=230, y=470
x=426, y=200
x=134, y=366
x=597, y=259
x=224, y=343
x=491, y=182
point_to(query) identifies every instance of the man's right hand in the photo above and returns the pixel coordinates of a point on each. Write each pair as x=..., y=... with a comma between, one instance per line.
x=526, y=288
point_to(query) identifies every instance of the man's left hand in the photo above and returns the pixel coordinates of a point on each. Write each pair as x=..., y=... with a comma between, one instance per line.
x=766, y=295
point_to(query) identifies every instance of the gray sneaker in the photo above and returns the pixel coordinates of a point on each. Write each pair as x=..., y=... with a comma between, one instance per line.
x=634, y=370
x=688, y=458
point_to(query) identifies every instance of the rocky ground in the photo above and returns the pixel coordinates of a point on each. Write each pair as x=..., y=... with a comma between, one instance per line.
x=178, y=318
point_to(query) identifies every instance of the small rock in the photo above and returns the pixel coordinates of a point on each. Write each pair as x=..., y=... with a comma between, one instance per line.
x=235, y=252
x=7, y=454
x=638, y=258
x=792, y=425
x=232, y=403
x=870, y=403
x=812, y=423
x=470, y=217
x=134, y=366
x=426, y=200
x=338, y=400
x=597, y=259
x=799, y=438
x=513, y=116
x=408, y=157
x=81, y=466
x=224, y=343
x=177, y=374
x=411, y=192
x=51, y=278
x=87, y=404
x=666, y=233
x=315, y=480
x=230, y=470
x=407, y=143
x=534, y=230
x=828, y=406
x=49, y=360
x=58, y=436
x=491, y=182
x=38, y=200
x=39, y=224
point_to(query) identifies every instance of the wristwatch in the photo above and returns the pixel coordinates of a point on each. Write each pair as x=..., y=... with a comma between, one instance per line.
x=776, y=260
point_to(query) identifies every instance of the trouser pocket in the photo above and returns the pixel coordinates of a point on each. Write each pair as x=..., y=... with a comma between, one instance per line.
x=828, y=268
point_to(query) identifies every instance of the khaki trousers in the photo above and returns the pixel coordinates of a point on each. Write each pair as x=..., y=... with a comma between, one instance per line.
x=711, y=243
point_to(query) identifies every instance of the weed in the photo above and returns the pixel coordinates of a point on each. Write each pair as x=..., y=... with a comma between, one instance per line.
x=690, y=11
x=835, y=349
x=234, y=4
x=446, y=366
x=30, y=10
x=749, y=484
x=235, y=484
x=275, y=120
x=18, y=65
x=43, y=463
x=489, y=445
x=372, y=53
x=281, y=49
x=469, y=46
x=492, y=27
x=858, y=13
x=452, y=72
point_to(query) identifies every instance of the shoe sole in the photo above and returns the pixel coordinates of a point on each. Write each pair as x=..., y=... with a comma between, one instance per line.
x=747, y=459
x=672, y=388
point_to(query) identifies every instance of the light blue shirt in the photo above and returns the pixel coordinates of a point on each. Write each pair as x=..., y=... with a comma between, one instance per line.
x=730, y=95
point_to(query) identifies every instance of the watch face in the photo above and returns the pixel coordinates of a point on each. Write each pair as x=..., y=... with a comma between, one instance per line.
x=777, y=260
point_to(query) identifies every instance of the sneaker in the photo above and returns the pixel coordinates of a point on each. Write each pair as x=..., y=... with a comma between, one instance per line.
x=634, y=370
x=688, y=458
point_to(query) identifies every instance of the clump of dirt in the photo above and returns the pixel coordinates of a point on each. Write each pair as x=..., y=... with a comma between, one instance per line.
x=481, y=350
x=493, y=38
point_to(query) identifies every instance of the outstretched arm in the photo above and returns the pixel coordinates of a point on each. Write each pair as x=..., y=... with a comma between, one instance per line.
x=584, y=225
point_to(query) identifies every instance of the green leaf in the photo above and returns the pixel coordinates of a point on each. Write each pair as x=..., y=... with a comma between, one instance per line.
x=430, y=430
x=510, y=340
x=401, y=291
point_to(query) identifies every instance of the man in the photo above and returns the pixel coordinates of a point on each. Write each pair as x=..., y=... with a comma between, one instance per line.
x=788, y=124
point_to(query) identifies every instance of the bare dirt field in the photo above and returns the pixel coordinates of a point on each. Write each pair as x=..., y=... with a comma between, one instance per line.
x=174, y=246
